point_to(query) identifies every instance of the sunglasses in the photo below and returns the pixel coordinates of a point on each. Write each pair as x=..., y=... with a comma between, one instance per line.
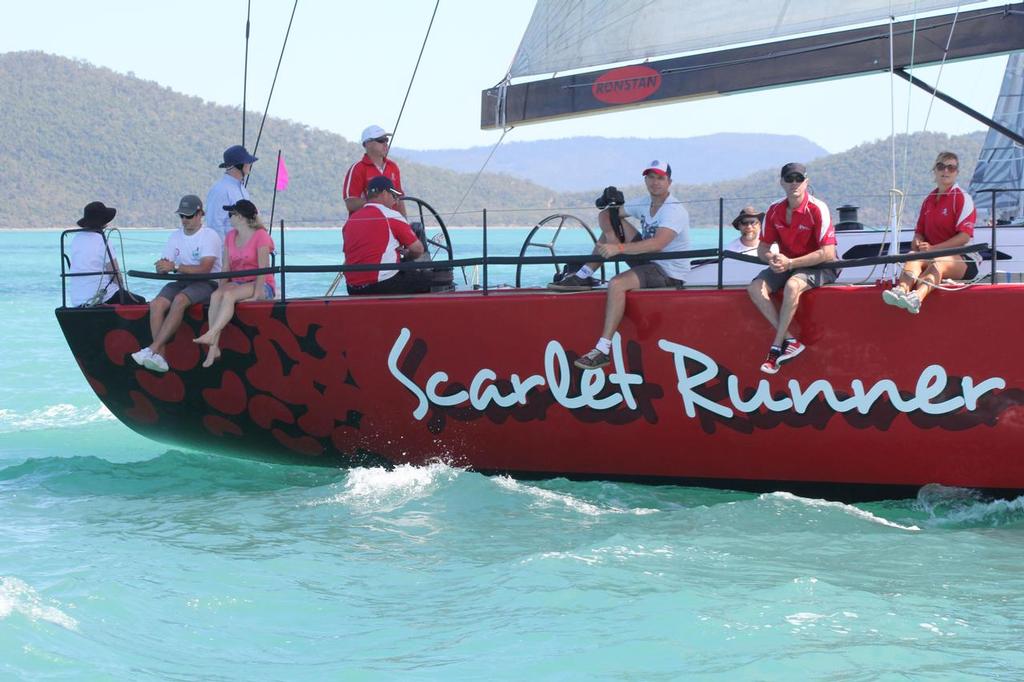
x=795, y=177
x=382, y=140
x=749, y=221
x=946, y=167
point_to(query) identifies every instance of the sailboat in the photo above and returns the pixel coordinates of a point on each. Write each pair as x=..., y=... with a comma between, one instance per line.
x=880, y=404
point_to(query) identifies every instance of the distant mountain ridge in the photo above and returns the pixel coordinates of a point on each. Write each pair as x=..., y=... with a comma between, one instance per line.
x=580, y=163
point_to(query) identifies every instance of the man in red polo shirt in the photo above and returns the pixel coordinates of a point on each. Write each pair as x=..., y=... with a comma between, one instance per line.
x=375, y=163
x=378, y=234
x=796, y=234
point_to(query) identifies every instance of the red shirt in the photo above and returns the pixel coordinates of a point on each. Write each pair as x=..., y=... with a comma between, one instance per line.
x=810, y=227
x=372, y=235
x=943, y=215
x=363, y=171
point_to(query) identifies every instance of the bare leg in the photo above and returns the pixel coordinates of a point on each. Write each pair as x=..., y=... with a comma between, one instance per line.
x=759, y=294
x=790, y=298
x=940, y=268
x=157, y=310
x=225, y=311
x=911, y=271
x=170, y=323
x=615, y=304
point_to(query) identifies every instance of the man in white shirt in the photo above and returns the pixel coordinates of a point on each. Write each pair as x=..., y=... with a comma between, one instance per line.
x=664, y=225
x=229, y=189
x=192, y=250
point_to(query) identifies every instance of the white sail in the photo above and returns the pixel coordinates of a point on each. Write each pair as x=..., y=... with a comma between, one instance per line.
x=573, y=34
x=1001, y=163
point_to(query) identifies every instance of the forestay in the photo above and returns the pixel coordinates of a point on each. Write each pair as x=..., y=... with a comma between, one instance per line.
x=573, y=34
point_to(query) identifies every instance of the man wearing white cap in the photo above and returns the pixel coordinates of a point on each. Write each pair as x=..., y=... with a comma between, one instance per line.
x=375, y=162
x=664, y=225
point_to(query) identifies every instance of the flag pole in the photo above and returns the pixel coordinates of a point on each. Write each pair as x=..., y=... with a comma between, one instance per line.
x=277, y=177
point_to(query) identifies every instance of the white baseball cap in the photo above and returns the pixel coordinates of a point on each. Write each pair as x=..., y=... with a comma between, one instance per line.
x=659, y=167
x=373, y=132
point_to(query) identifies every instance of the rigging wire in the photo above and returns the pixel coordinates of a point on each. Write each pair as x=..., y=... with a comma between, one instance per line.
x=394, y=130
x=942, y=64
x=273, y=83
x=245, y=68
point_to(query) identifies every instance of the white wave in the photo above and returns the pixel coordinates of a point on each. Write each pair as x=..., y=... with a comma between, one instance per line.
x=57, y=416
x=965, y=506
x=838, y=506
x=379, y=487
x=17, y=596
x=544, y=496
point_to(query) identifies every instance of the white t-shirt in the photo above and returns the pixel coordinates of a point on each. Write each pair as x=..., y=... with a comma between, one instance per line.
x=189, y=249
x=738, y=246
x=675, y=217
x=89, y=255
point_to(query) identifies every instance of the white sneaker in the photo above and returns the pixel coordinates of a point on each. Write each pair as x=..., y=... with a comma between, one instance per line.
x=912, y=303
x=894, y=297
x=156, y=362
x=140, y=356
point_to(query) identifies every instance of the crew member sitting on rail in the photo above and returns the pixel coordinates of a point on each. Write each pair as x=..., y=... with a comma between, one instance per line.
x=946, y=221
x=89, y=252
x=378, y=234
x=748, y=222
x=664, y=226
x=193, y=250
x=247, y=247
x=375, y=163
x=797, y=233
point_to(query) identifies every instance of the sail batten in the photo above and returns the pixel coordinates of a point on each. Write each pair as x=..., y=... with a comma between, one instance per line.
x=573, y=34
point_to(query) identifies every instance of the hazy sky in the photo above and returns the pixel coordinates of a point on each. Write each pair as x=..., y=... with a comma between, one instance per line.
x=348, y=64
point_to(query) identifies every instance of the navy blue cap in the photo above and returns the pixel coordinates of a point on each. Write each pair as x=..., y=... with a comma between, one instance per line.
x=381, y=184
x=242, y=207
x=237, y=156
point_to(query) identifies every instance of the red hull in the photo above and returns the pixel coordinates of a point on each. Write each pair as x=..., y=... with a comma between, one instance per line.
x=940, y=397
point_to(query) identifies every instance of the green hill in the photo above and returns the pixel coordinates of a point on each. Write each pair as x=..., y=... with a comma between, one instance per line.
x=74, y=133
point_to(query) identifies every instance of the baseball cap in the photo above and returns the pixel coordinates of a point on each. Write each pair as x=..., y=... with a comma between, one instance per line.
x=372, y=132
x=242, y=207
x=381, y=184
x=793, y=167
x=189, y=205
x=659, y=167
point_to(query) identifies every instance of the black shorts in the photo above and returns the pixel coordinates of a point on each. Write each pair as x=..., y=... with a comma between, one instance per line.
x=402, y=282
x=815, y=278
x=653, y=277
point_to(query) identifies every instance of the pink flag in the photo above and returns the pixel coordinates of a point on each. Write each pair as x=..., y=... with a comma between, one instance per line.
x=282, y=175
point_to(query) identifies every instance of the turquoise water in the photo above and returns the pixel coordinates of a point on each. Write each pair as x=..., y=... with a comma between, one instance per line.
x=121, y=559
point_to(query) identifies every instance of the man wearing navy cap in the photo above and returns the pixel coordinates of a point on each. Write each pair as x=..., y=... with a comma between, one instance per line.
x=378, y=234
x=375, y=163
x=229, y=189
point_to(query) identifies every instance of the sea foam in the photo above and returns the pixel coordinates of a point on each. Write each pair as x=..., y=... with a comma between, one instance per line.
x=17, y=596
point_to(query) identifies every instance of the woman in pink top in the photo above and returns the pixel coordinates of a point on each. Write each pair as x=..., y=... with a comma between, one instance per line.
x=246, y=247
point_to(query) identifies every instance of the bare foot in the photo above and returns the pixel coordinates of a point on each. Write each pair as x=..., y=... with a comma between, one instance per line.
x=205, y=338
x=211, y=356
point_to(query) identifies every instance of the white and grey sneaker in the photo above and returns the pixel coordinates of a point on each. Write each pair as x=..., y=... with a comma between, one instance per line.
x=894, y=297
x=912, y=303
x=156, y=362
x=140, y=356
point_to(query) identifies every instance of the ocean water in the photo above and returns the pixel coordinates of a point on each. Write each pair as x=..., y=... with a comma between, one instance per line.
x=122, y=559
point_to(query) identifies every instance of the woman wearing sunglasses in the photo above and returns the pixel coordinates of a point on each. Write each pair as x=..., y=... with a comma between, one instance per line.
x=946, y=221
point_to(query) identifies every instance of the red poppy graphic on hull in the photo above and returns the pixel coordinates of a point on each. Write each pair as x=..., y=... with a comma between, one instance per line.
x=626, y=84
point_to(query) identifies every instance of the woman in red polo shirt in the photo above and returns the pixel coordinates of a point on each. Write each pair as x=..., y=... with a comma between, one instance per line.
x=946, y=221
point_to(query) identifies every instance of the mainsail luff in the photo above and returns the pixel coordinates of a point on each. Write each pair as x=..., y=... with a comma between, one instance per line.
x=1001, y=163
x=845, y=53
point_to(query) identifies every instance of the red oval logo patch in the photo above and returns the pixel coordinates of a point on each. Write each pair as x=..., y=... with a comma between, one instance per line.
x=626, y=84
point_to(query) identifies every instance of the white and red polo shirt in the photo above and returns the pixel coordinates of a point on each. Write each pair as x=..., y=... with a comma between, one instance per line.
x=943, y=215
x=372, y=235
x=809, y=229
x=363, y=171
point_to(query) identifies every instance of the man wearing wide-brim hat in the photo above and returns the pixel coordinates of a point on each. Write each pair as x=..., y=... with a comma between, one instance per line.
x=748, y=222
x=90, y=253
x=229, y=189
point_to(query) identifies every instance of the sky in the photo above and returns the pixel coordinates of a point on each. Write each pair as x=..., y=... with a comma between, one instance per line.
x=348, y=65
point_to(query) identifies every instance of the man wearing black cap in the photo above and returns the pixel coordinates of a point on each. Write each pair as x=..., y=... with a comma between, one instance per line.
x=378, y=234
x=192, y=250
x=797, y=233
x=229, y=189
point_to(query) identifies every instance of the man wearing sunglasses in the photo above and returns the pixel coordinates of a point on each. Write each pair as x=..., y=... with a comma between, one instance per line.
x=375, y=163
x=797, y=233
x=193, y=250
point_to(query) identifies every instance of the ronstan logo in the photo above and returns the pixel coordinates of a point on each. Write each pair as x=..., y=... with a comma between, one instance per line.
x=626, y=84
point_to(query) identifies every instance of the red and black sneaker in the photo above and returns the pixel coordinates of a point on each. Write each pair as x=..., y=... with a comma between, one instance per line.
x=790, y=349
x=771, y=365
